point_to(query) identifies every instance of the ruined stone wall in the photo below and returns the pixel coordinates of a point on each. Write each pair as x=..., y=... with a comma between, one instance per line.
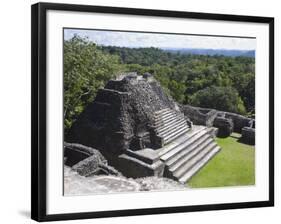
x=248, y=135
x=225, y=126
x=225, y=121
x=103, y=124
x=239, y=121
x=200, y=116
x=86, y=160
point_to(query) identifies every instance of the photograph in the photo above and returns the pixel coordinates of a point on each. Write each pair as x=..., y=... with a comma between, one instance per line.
x=147, y=111
x=140, y=111
x=153, y=111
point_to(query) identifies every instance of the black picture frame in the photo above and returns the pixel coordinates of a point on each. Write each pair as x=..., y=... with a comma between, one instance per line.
x=39, y=123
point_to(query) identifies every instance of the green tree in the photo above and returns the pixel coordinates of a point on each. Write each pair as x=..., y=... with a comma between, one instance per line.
x=221, y=82
x=86, y=69
x=177, y=90
x=220, y=98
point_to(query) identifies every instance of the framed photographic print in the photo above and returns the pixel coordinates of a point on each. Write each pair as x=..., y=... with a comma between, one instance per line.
x=139, y=111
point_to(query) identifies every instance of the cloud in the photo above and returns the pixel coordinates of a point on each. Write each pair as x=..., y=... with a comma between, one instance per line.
x=135, y=39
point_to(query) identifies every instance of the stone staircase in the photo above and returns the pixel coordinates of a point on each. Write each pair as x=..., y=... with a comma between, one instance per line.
x=169, y=125
x=188, y=153
x=183, y=150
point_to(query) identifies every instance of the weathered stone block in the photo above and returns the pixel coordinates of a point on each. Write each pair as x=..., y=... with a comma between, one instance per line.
x=88, y=166
x=248, y=135
x=200, y=116
x=133, y=167
x=224, y=125
x=86, y=160
x=239, y=121
x=74, y=153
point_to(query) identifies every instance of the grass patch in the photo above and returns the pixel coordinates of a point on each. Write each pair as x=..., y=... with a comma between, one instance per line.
x=234, y=165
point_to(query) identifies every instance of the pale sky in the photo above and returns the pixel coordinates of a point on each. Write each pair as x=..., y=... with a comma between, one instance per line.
x=134, y=39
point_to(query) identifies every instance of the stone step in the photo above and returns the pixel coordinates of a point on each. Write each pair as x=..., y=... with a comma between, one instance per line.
x=199, y=165
x=166, y=113
x=162, y=124
x=166, y=128
x=185, y=149
x=151, y=169
x=146, y=155
x=192, y=153
x=172, y=149
x=173, y=127
x=166, y=117
x=174, y=131
x=187, y=166
x=167, y=139
x=162, y=111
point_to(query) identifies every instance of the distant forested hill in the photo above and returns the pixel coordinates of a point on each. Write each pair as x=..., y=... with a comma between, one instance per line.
x=220, y=82
x=212, y=52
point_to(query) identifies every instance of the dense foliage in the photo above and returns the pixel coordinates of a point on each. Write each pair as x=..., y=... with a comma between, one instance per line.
x=86, y=69
x=225, y=97
x=220, y=82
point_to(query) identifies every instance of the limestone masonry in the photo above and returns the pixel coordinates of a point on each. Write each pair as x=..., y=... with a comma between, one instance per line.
x=141, y=131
